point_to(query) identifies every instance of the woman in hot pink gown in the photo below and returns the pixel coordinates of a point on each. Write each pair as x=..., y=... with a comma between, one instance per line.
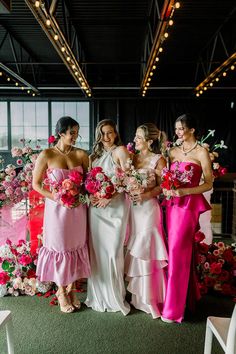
x=182, y=216
x=63, y=258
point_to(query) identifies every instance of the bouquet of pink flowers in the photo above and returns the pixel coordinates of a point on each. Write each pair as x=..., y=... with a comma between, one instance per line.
x=67, y=191
x=99, y=184
x=174, y=179
x=216, y=267
x=17, y=270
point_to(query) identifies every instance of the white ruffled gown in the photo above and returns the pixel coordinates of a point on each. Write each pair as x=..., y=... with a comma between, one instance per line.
x=106, y=289
x=146, y=256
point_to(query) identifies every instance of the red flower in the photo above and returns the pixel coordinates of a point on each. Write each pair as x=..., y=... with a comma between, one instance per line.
x=199, y=236
x=216, y=268
x=51, y=139
x=4, y=278
x=228, y=255
x=31, y=273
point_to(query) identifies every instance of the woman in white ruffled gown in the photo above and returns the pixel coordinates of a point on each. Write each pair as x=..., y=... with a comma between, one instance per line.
x=108, y=221
x=146, y=256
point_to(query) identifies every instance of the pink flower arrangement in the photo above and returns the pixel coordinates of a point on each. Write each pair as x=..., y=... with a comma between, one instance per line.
x=99, y=184
x=174, y=179
x=16, y=181
x=216, y=267
x=68, y=191
x=17, y=270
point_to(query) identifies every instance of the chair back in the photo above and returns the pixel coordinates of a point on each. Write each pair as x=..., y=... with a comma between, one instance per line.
x=231, y=337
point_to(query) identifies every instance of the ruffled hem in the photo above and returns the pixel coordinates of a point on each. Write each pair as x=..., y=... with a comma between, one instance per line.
x=196, y=202
x=148, y=245
x=63, y=267
x=147, y=283
x=135, y=267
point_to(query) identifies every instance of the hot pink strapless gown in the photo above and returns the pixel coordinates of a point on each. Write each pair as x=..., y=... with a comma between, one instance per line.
x=64, y=256
x=182, y=220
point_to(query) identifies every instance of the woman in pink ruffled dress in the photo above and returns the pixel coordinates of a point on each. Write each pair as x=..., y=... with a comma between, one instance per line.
x=63, y=258
x=146, y=256
x=182, y=217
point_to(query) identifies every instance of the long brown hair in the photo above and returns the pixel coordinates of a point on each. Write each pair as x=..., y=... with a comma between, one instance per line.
x=97, y=150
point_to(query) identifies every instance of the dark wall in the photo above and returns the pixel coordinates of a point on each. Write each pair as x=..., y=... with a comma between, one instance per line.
x=218, y=114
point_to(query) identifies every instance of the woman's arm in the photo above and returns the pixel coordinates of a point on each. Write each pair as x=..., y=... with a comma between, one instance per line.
x=40, y=168
x=121, y=157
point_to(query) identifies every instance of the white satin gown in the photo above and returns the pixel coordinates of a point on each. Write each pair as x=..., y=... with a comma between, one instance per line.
x=146, y=256
x=106, y=289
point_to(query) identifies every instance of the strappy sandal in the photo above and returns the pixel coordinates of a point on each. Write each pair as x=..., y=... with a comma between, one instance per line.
x=64, y=301
x=71, y=291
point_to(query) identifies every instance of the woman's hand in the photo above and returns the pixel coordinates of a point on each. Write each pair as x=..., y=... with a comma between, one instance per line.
x=101, y=203
x=137, y=198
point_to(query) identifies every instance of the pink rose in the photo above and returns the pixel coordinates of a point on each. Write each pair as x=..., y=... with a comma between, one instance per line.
x=76, y=177
x=15, y=151
x=67, y=184
x=25, y=259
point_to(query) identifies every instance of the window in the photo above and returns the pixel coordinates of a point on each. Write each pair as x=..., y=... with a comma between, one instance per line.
x=29, y=121
x=3, y=126
x=78, y=111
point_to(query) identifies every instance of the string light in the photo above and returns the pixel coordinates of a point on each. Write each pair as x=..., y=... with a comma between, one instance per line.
x=161, y=35
x=11, y=77
x=221, y=71
x=52, y=29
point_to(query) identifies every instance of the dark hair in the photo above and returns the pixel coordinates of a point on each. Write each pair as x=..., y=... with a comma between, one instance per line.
x=63, y=124
x=98, y=146
x=189, y=122
x=151, y=132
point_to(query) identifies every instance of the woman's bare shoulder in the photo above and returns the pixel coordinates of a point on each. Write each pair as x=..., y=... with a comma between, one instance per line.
x=81, y=152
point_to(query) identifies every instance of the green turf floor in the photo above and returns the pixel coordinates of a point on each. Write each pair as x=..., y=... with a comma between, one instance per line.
x=42, y=329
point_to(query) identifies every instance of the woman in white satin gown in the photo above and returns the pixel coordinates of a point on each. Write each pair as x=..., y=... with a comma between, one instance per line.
x=146, y=256
x=108, y=221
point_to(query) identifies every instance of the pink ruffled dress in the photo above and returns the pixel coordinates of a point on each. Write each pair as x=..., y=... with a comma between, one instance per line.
x=182, y=220
x=63, y=258
x=146, y=256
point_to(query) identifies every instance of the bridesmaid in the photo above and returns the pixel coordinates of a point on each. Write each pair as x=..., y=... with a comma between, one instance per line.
x=182, y=216
x=108, y=220
x=146, y=256
x=63, y=258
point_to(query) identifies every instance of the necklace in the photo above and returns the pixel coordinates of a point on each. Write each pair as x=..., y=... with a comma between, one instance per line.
x=186, y=152
x=63, y=153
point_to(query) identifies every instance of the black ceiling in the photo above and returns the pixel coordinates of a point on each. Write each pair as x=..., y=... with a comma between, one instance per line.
x=111, y=37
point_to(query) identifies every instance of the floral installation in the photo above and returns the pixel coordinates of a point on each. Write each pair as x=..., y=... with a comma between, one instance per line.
x=218, y=170
x=18, y=270
x=216, y=266
x=16, y=180
x=99, y=184
x=67, y=192
x=174, y=179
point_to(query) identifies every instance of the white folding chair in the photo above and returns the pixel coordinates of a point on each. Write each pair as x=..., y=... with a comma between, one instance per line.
x=6, y=320
x=224, y=329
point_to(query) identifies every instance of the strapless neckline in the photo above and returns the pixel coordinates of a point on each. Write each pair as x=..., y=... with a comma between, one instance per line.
x=64, y=169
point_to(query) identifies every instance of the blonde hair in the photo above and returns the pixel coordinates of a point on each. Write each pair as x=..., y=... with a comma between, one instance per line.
x=158, y=137
x=97, y=150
